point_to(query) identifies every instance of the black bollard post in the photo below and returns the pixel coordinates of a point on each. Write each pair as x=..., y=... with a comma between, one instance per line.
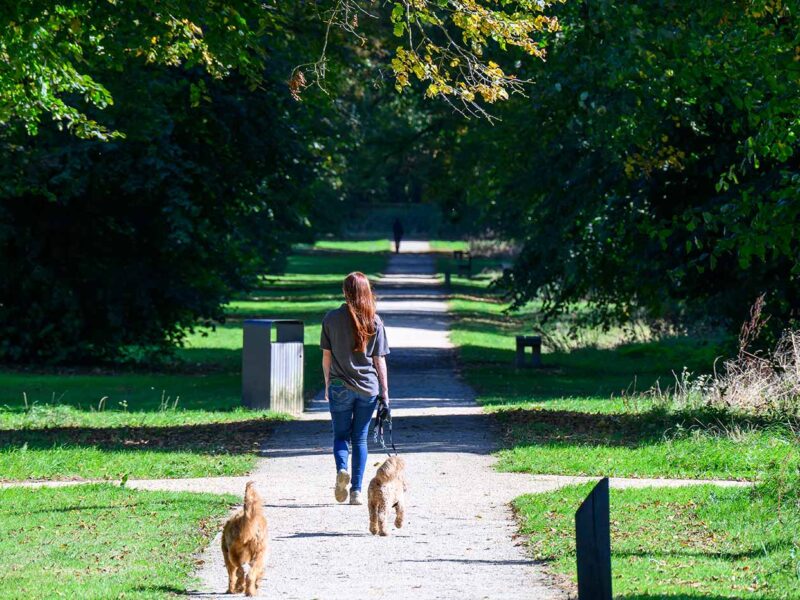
x=593, y=544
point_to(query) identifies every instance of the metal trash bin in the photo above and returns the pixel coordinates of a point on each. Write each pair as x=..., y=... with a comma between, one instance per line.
x=272, y=365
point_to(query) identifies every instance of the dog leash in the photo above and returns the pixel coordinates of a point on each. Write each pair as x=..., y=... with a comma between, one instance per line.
x=383, y=417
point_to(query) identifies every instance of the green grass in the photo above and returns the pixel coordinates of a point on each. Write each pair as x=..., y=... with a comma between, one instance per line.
x=594, y=378
x=648, y=444
x=476, y=286
x=583, y=415
x=106, y=424
x=315, y=272
x=695, y=542
x=61, y=442
x=448, y=245
x=379, y=245
x=102, y=541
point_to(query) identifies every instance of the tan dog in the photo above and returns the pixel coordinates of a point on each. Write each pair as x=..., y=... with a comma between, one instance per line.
x=387, y=490
x=244, y=541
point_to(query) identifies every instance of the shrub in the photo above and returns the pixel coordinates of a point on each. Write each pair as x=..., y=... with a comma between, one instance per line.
x=753, y=383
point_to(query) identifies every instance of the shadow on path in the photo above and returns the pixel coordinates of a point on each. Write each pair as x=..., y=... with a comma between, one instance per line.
x=470, y=433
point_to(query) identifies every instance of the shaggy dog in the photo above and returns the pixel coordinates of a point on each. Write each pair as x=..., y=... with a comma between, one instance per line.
x=387, y=490
x=244, y=541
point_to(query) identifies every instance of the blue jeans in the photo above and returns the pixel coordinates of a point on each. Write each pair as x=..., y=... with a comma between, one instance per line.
x=350, y=416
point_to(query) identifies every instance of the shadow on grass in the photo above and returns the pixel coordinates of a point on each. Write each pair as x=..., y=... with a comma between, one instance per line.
x=207, y=360
x=335, y=262
x=572, y=428
x=161, y=589
x=238, y=437
x=762, y=549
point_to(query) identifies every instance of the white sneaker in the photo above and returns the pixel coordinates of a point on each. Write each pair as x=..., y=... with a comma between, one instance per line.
x=342, y=481
x=355, y=498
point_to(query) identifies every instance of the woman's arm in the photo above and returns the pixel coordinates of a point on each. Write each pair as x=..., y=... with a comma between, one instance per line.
x=326, y=369
x=383, y=376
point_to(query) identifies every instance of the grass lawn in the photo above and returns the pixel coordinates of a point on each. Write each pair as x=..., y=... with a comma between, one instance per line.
x=475, y=287
x=184, y=420
x=448, y=245
x=697, y=542
x=103, y=541
x=380, y=245
x=580, y=415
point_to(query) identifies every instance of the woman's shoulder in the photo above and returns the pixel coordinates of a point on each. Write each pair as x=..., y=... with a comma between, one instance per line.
x=334, y=313
x=378, y=320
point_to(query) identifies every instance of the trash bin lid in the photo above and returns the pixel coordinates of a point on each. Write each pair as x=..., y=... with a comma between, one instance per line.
x=271, y=321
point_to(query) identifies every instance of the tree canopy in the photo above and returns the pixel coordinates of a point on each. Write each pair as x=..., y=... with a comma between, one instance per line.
x=54, y=54
x=652, y=171
x=157, y=155
x=117, y=245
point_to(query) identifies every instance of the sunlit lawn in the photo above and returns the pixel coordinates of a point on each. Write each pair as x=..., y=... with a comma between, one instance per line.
x=695, y=542
x=102, y=541
x=449, y=245
x=351, y=246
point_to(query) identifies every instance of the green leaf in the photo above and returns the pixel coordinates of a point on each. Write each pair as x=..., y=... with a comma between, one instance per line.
x=398, y=12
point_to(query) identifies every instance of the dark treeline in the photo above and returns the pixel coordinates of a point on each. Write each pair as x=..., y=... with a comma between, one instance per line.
x=113, y=248
x=648, y=169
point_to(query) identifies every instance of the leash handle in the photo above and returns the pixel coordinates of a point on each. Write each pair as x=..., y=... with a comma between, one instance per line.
x=383, y=414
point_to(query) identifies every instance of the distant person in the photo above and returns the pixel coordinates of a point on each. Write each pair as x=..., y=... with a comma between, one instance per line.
x=398, y=234
x=354, y=350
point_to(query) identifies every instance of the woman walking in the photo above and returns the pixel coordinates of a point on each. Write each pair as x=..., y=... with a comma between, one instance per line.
x=354, y=347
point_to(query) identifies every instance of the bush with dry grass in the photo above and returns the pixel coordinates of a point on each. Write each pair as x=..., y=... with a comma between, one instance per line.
x=765, y=384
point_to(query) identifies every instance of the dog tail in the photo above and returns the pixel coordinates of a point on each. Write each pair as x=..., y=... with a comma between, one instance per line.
x=252, y=501
x=390, y=469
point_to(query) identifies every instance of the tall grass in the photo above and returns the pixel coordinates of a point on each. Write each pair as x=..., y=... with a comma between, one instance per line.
x=763, y=384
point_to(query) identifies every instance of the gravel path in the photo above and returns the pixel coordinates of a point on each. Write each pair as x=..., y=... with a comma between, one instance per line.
x=458, y=539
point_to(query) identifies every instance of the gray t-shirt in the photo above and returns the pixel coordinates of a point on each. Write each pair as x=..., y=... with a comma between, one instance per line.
x=355, y=369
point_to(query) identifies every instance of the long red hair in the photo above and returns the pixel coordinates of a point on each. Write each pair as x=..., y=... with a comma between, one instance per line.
x=361, y=306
